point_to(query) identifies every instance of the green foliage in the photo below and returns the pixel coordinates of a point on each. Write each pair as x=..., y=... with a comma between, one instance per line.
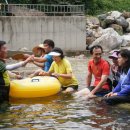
x=95, y=7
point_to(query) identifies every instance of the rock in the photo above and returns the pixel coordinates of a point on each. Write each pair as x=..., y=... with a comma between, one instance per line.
x=102, y=17
x=103, y=24
x=128, y=28
x=117, y=28
x=109, y=20
x=116, y=14
x=89, y=32
x=109, y=40
x=89, y=40
x=95, y=27
x=93, y=20
x=122, y=22
x=126, y=14
x=127, y=39
x=97, y=32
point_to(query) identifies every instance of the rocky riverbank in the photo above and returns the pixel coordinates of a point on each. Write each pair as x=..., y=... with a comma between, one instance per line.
x=110, y=30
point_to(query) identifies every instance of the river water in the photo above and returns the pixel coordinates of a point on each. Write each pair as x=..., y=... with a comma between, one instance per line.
x=63, y=112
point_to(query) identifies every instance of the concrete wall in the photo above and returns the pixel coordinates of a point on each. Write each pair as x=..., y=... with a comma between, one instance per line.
x=69, y=33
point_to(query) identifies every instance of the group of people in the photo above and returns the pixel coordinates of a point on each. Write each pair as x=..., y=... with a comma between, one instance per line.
x=52, y=62
x=115, y=90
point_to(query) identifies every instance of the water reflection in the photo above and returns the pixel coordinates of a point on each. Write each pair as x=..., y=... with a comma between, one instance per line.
x=63, y=112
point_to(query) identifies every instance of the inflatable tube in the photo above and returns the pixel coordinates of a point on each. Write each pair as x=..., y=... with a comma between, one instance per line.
x=38, y=86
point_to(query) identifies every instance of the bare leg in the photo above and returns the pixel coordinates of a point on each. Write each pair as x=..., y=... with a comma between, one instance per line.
x=69, y=90
x=84, y=92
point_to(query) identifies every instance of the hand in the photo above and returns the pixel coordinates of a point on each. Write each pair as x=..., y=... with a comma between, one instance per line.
x=55, y=74
x=90, y=95
x=42, y=73
x=17, y=76
x=109, y=94
x=114, y=94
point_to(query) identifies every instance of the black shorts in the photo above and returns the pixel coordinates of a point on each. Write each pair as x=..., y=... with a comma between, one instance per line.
x=75, y=87
x=4, y=93
x=117, y=99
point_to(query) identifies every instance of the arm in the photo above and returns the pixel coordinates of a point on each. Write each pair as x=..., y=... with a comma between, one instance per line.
x=117, y=88
x=38, y=64
x=13, y=75
x=66, y=76
x=125, y=86
x=124, y=91
x=14, y=66
x=18, y=65
x=100, y=84
x=39, y=59
x=88, y=79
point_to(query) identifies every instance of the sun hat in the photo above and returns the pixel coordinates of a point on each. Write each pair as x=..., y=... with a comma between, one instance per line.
x=35, y=49
x=114, y=54
x=54, y=54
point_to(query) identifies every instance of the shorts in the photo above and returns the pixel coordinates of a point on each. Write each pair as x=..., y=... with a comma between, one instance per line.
x=116, y=100
x=75, y=87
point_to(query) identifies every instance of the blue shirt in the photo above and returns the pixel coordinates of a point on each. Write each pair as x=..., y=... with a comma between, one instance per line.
x=123, y=87
x=48, y=62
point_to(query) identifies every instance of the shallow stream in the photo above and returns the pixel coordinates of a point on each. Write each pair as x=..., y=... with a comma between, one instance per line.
x=63, y=112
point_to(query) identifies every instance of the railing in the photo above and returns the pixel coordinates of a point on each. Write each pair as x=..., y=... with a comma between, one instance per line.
x=40, y=10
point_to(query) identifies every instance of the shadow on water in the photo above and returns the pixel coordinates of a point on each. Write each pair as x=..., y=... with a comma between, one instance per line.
x=64, y=112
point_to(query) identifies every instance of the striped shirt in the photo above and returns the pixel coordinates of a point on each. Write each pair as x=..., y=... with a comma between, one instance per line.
x=4, y=77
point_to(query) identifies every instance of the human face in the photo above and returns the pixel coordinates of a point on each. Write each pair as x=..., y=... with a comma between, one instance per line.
x=47, y=48
x=97, y=53
x=57, y=59
x=115, y=61
x=3, y=52
x=40, y=52
x=121, y=60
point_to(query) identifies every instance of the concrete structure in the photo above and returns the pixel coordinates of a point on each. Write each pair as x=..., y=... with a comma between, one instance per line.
x=68, y=32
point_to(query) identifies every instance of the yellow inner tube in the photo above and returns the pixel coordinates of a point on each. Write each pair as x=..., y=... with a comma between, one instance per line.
x=38, y=86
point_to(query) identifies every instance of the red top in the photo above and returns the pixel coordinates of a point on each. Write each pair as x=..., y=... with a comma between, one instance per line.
x=99, y=69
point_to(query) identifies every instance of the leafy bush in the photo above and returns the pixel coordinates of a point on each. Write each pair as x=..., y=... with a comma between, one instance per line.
x=95, y=7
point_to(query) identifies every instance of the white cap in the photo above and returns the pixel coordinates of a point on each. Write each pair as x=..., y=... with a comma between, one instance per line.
x=54, y=54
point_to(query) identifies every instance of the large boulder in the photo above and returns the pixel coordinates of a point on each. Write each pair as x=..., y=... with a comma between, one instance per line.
x=126, y=14
x=109, y=20
x=128, y=28
x=122, y=22
x=126, y=38
x=117, y=28
x=115, y=14
x=109, y=40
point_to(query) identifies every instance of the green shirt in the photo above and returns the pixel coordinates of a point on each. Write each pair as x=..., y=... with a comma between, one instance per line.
x=4, y=77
